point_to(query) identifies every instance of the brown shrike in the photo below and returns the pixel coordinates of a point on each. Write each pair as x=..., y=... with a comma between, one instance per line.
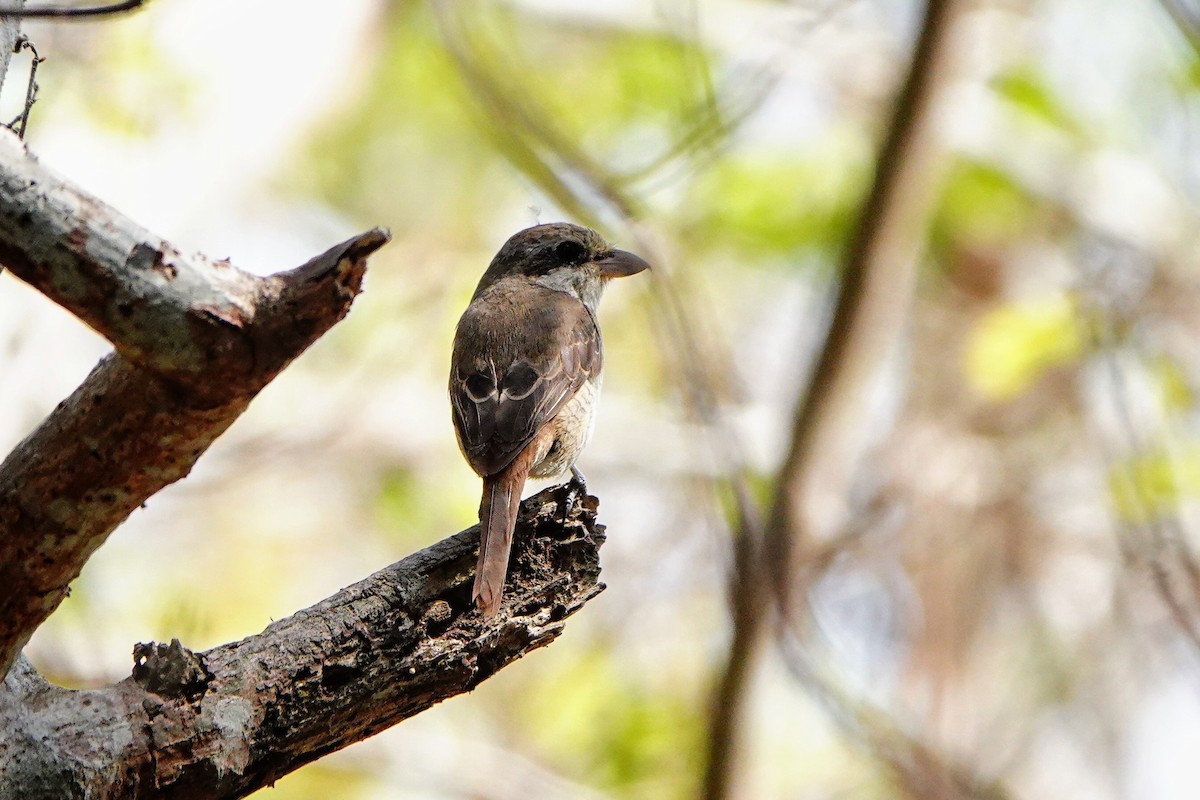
x=525, y=374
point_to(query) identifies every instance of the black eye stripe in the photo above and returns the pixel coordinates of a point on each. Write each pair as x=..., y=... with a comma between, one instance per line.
x=570, y=251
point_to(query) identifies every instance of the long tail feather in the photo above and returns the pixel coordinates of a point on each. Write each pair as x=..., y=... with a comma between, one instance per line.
x=497, y=519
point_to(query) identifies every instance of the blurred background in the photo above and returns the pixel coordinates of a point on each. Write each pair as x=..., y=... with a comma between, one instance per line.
x=989, y=542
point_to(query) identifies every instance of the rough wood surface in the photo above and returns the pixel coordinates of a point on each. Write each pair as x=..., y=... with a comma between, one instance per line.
x=222, y=723
x=10, y=29
x=196, y=340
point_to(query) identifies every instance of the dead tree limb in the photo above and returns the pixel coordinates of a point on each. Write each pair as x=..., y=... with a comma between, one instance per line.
x=223, y=723
x=195, y=341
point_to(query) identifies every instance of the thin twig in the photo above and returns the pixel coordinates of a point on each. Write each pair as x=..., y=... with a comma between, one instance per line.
x=698, y=364
x=19, y=124
x=1165, y=531
x=921, y=771
x=68, y=12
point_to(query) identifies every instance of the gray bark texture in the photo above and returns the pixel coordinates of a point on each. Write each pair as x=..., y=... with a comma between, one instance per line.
x=10, y=29
x=194, y=341
x=228, y=721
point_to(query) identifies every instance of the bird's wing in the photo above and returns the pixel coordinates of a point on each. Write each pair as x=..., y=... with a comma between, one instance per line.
x=502, y=394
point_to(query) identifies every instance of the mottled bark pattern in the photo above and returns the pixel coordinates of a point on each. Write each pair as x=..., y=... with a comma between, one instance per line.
x=225, y=722
x=195, y=341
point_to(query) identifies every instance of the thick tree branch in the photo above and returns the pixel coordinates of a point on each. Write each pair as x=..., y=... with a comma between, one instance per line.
x=196, y=340
x=180, y=316
x=225, y=722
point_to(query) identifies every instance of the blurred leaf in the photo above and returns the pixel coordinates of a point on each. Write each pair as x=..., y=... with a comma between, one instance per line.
x=614, y=730
x=981, y=205
x=1030, y=93
x=634, y=79
x=407, y=151
x=404, y=512
x=416, y=144
x=138, y=72
x=398, y=498
x=1013, y=345
x=764, y=206
x=1175, y=393
x=1151, y=485
x=1187, y=77
x=647, y=93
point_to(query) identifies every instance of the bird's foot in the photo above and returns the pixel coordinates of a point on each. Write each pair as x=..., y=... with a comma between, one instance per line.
x=577, y=478
x=576, y=487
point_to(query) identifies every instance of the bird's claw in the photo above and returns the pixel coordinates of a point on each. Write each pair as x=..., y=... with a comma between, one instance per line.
x=577, y=478
x=576, y=487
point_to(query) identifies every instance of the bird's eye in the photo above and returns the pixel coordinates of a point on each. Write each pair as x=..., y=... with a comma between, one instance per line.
x=570, y=251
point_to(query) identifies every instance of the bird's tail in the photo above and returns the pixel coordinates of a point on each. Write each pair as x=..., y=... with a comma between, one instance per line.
x=497, y=519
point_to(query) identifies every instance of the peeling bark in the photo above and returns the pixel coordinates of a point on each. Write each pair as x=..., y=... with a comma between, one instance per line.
x=228, y=721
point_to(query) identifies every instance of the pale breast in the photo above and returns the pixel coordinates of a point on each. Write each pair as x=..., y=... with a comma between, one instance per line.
x=572, y=429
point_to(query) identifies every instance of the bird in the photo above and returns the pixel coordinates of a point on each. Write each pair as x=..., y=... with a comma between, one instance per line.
x=525, y=374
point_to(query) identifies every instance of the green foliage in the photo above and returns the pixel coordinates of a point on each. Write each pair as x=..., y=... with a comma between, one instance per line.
x=1013, y=345
x=417, y=146
x=594, y=717
x=1175, y=392
x=1151, y=485
x=138, y=70
x=981, y=205
x=1189, y=77
x=407, y=150
x=631, y=79
x=404, y=514
x=319, y=780
x=398, y=500
x=1029, y=93
x=771, y=206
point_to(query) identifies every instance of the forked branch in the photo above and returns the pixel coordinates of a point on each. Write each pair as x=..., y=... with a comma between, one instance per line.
x=195, y=341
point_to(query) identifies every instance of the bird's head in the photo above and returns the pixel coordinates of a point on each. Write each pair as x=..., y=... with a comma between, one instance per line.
x=563, y=257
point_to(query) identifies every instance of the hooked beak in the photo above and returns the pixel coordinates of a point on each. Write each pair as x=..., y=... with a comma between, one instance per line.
x=621, y=263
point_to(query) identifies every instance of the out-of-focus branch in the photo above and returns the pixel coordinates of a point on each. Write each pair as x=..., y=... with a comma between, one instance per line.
x=916, y=769
x=878, y=269
x=1158, y=542
x=876, y=279
x=223, y=723
x=877, y=275
x=1186, y=19
x=196, y=340
x=587, y=189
